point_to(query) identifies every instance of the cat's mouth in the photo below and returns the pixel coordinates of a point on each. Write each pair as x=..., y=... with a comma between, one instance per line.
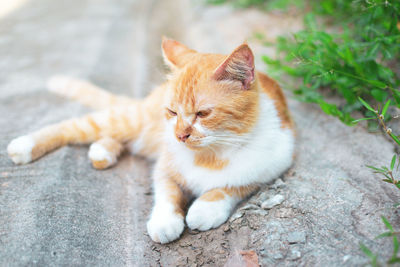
x=194, y=143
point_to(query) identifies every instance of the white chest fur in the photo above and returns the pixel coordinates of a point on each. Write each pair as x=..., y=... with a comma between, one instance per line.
x=267, y=153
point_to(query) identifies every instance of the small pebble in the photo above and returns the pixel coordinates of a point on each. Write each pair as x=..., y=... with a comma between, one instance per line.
x=236, y=216
x=263, y=196
x=296, y=237
x=294, y=254
x=272, y=202
x=346, y=258
x=278, y=184
x=250, y=207
x=258, y=212
x=277, y=256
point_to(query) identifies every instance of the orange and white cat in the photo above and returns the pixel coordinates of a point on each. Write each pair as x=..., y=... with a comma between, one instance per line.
x=217, y=128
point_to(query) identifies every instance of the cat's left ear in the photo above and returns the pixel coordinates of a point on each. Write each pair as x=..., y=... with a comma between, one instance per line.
x=175, y=54
x=238, y=66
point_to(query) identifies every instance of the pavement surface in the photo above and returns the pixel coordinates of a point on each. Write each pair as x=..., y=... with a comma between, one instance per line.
x=60, y=211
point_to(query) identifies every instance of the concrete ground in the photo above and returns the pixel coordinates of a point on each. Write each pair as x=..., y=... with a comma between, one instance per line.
x=60, y=211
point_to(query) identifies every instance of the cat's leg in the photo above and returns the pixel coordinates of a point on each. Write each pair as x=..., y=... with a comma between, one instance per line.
x=104, y=153
x=120, y=124
x=167, y=217
x=214, y=207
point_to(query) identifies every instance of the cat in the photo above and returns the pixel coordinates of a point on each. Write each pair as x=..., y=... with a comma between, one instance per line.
x=217, y=128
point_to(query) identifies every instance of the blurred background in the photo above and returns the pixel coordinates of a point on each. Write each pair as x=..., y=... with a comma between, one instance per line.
x=102, y=40
x=338, y=61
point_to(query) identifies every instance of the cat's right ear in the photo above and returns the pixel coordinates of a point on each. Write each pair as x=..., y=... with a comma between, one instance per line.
x=174, y=53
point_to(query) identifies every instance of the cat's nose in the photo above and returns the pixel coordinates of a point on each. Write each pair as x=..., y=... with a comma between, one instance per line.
x=183, y=137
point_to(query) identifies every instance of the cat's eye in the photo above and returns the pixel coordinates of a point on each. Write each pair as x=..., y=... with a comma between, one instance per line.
x=203, y=113
x=171, y=112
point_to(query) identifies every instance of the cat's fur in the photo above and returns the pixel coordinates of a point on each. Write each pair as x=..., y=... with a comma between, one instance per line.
x=217, y=128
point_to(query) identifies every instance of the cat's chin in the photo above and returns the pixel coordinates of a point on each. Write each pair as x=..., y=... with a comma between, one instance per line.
x=195, y=147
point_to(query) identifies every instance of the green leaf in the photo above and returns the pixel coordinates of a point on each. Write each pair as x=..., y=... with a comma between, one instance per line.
x=393, y=162
x=374, y=50
x=379, y=95
x=395, y=138
x=394, y=260
x=365, y=104
x=363, y=119
x=398, y=164
x=395, y=246
x=330, y=109
x=387, y=223
x=369, y=254
x=375, y=168
x=386, y=234
x=377, y=84
x=385, y=108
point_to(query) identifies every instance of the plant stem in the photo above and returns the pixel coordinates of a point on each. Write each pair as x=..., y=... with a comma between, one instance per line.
x=387, y=130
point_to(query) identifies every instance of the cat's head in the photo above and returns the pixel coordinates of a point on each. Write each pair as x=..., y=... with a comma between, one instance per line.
x=211, y=99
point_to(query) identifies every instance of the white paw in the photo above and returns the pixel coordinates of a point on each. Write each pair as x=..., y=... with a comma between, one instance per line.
x=100, y=156
x=165, y=226
x=20, y=149
x=204, y=215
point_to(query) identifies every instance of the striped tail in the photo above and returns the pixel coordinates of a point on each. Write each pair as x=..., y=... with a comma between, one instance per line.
x=86, y=93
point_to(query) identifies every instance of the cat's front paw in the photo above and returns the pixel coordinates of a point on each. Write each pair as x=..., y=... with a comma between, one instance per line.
x=164, y=227
x=20, y=149
x=205, y=215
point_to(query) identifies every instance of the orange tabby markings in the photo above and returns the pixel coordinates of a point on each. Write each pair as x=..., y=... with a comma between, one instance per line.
x=83, y=92
x=236, y=108
x=173, y=184
x=213, y=195
x=221, y=193
x=115, y=123
x=241, y=191
x=273, y=90
x=111, y=145
x=176, y=196
x=209, y=160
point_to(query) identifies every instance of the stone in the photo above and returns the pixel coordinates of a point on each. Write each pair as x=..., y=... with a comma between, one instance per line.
x=278, y=184
x=296, y=237
x=250, y=207
x=236, y=215
x=294, y=254
x=273, y=201
x=346, y=258
x=284, y=213
x=258, y=212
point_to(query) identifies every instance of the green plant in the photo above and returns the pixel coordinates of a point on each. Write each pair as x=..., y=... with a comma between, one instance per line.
x=374, y=257
x=262, y=4
x=381, y=117
x=357, y=59
x=388, y=174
